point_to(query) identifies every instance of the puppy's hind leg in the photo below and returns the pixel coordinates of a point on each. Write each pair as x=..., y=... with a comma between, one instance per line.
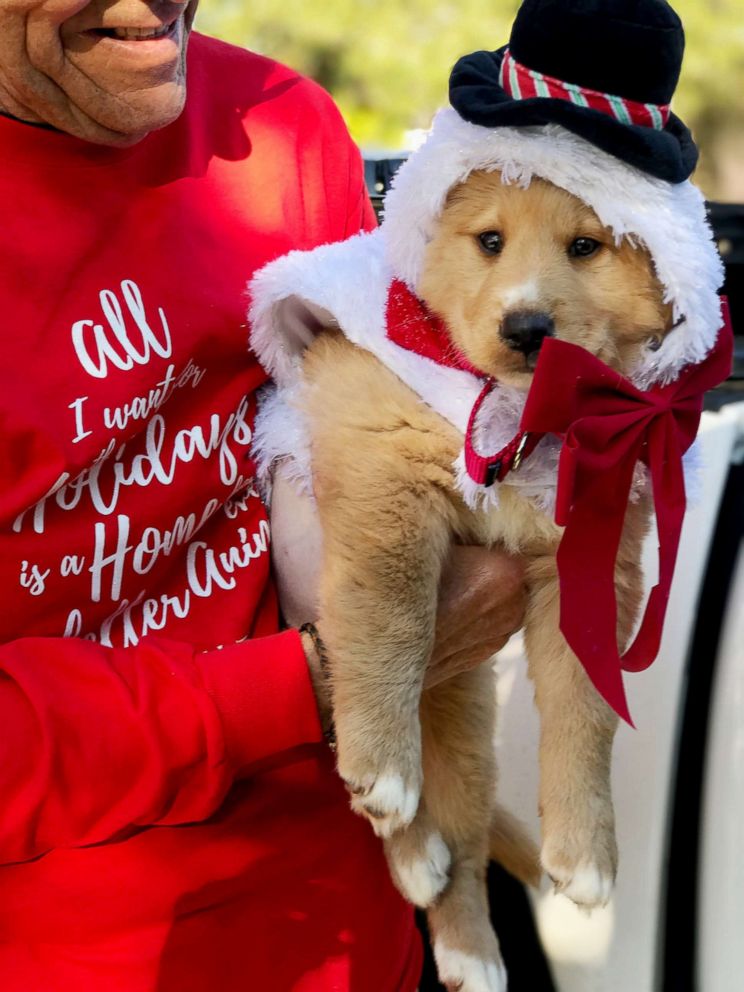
x=419, y=859
x=459, y=783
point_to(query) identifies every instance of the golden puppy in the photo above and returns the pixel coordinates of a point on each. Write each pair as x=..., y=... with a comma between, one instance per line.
x=506, y=267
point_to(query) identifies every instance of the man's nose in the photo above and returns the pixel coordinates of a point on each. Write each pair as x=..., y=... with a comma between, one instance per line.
x=525, y=330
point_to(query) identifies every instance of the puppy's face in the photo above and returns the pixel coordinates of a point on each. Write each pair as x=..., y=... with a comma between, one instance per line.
x=510, y=266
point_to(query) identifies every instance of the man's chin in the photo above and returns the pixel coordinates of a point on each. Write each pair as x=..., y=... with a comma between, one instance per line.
x=124, y=124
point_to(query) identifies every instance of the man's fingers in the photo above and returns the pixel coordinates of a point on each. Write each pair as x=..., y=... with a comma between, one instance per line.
x=472, y=572
x=449, y=665
x=495, y=617
x=482, y=602
x=511, y=614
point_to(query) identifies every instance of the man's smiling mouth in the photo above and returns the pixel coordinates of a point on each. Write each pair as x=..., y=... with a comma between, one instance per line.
x=137, y=34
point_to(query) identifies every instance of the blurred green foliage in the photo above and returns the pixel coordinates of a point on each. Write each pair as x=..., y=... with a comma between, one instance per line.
x=386, y=62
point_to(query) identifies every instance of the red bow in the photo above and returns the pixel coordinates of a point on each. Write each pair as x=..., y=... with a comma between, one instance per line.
x=608, y=425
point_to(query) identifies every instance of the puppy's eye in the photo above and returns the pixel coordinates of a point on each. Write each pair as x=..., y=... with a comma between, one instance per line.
x=584, y=248
x=491, y=242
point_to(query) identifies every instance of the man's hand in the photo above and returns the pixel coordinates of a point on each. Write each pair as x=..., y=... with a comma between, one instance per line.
x=482, y=601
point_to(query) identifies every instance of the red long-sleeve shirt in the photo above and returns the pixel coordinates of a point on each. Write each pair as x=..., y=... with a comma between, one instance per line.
x=169, y=816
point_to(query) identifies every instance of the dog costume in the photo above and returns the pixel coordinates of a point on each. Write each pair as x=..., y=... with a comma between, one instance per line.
x=557, y=103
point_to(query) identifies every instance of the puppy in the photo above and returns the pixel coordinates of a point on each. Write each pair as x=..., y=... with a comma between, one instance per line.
x=507, y=267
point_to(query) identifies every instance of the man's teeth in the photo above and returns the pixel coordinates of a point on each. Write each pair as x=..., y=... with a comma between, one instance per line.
x=139, y=34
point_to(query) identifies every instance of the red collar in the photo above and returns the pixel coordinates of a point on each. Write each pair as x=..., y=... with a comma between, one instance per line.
x=411, y=325
x=607, y=426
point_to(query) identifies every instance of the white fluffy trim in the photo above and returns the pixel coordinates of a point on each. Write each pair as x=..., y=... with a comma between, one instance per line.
x=668, y=219
x=347, y=285
x=303, y=292
x=280, y=432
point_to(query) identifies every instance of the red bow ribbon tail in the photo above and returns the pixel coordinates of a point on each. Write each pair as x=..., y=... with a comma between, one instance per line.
x=595, y=498
x=668, y=487
x=669, y=439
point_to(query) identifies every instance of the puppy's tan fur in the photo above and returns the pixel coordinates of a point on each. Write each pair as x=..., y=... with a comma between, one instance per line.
x=421, y=766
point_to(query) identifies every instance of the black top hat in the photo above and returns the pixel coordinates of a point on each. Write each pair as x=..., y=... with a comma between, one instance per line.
x=604, y=69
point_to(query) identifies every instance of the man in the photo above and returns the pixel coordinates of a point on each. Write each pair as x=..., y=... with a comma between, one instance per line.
x=171, y=819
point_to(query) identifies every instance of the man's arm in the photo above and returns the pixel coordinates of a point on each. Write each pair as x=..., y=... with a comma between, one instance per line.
x=98, y=741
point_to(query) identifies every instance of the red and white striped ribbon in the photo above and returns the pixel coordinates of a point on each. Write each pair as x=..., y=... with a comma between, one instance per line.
x=522, y=83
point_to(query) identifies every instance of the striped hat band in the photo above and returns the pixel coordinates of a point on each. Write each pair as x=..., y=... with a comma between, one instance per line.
x=522, y=83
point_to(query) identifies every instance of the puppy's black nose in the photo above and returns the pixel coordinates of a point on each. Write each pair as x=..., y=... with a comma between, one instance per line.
x=525, y=330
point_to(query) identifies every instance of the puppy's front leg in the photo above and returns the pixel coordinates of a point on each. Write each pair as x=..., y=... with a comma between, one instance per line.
x=577, y=728
x=384, y=548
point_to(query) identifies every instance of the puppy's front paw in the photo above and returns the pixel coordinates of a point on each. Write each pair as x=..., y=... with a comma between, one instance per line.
x=462, y=972
x=588, y=882
x=389, y=800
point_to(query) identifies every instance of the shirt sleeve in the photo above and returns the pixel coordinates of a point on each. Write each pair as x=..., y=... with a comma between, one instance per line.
x=336, y=166
x=361, y=214
x=99, y=741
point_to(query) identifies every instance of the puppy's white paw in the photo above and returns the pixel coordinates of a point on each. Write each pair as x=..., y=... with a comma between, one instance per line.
x=587, y=884
x=389, y=802
x=425, y=877
x=462, y=972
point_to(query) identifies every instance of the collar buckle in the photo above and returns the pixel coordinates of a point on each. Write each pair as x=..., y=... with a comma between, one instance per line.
x=492, y=473
x=519, y=456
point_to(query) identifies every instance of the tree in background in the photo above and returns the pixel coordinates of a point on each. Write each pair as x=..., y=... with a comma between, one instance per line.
x=386, y=62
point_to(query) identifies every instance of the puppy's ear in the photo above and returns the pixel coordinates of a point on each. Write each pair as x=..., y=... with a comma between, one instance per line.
x=455, y=195
x=300, y=321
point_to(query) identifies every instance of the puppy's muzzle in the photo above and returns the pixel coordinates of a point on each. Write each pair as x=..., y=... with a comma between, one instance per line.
x=525, y=331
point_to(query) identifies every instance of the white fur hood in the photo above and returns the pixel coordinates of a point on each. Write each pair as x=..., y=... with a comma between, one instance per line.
x=346, y=284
